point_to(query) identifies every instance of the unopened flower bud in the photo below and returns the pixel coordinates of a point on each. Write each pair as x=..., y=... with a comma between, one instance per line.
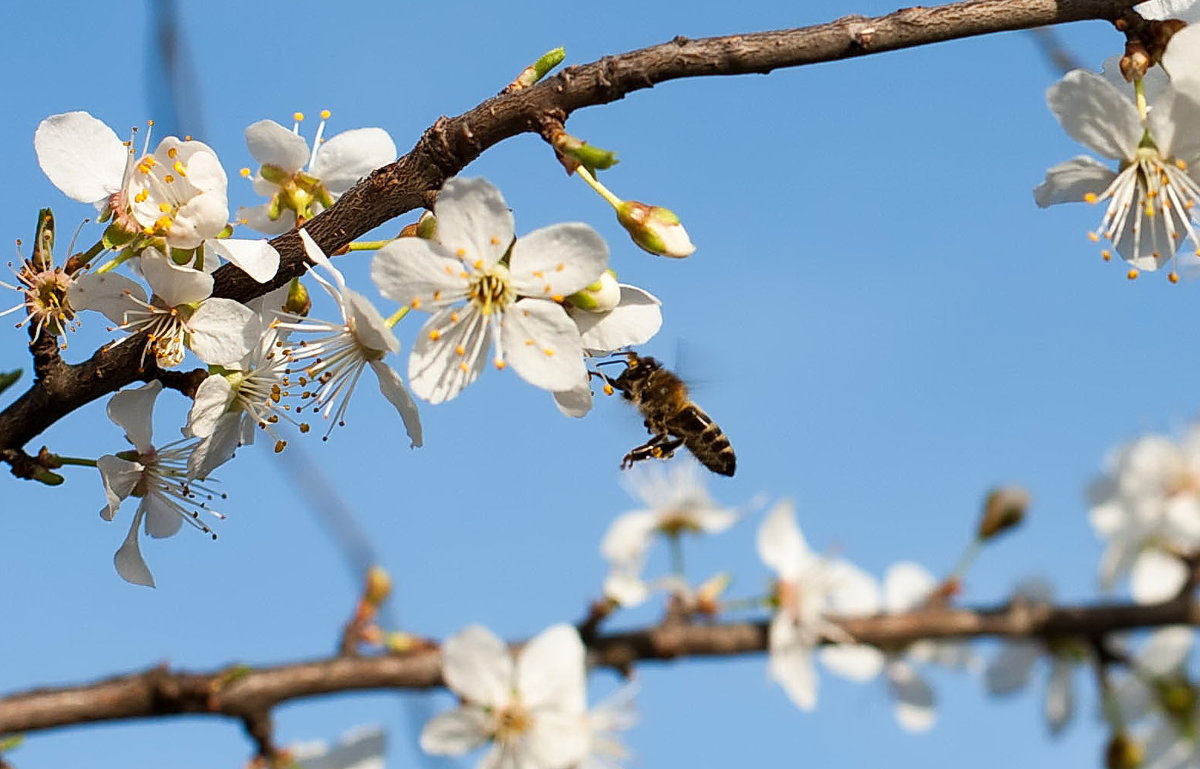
x=708, y=595
x=1135, y=62
x=298, y=301
x=587, y=155
x=655, y=229
x=424, y=228
x=378, y=586
x=1003, y=509
x=601, y=296
x=1123, y=752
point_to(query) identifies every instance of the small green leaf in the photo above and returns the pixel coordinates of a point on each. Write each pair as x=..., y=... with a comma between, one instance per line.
x=8, y=379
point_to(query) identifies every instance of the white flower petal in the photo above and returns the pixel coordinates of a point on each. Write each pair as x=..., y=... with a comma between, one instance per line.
x=81, y=156
x=271, y=143
x=576, y=402
x=790, y=663
x=558, y=739
x=472, y=218
x=393, y=389
x=119, y=477
x=256, y=258
x=907, y=586
x=173, y=283
x=199, y=219
x=350, y=156
x=455, y=733
x=1071, y=181
x=634, y=321
x=912, y=697
x=1059, y=704
x=219, y=447
x=542, y=344
x=1011, y=668
x=1094, y=113
x=162, y=519
x=477, y=666
x=223, y=331
x=111, y=294
x=1182, y=57
x=1188, y=10
x=128, y=558
x=557, y=260
x=212, y=400
x=850, y=590
x=1166, y=651
x=858, y=662
x=361, y=748
x=1156, y=577
x=370, y=329
x=258, y=218
x=550, y=671
x=131, y=410
x=626, y=588
x=418, y=273
x=628, y=538
x=780, y=544
x=436, y=370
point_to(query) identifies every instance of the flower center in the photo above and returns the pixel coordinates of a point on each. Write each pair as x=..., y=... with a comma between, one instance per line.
x=490, y=291
x=511, y=723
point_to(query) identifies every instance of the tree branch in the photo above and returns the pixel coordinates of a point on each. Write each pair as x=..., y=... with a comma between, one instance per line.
x=247, y=694
x=450, y=144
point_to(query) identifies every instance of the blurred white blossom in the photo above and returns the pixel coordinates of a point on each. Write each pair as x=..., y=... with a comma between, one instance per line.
x=361, y=748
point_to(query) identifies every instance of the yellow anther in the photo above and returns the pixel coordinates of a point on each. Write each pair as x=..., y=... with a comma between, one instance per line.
x=539, y=274
x=1094, y=237
x=437, y=295
x=548, y=351
x=547, y=288
x=162, y=224
x=416, y=303
x=150, y=123
x=1107, y=255
x=560, y=267
x=146, y=164
x=499, y=363
x=495, y=241
x=608, y=389
x=1173, y=277
x=459, y=350
x=279, y=446
x=298, y=116
x=529, y=343
x=463, y=367
x=1132, y=274
x=448, y=270
x=557, y=298
x=180, y=168
x=173, y=153
x=454, y=317
x=1090, y=197
x=460, y=253
x=245, y=172
x=478, y=264
x=435, y=335
x=141, y=196
x=325, y=114
x=164, y=207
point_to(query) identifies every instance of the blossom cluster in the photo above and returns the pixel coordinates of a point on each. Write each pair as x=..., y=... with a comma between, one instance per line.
x=542, y=303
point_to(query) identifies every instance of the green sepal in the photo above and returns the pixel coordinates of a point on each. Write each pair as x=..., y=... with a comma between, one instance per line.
x=8, y=379
x=115, y=237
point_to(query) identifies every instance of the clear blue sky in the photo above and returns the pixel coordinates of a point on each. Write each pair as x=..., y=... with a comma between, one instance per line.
x=880, y=317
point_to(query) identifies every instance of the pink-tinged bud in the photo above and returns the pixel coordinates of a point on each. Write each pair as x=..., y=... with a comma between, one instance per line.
x=655, y=229
x=601, y=296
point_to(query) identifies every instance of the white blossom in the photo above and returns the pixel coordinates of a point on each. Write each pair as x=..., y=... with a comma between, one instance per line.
x=335, y=360
x=295, y=178
x=1147, y=509
x=1011, y=668
x=531, y=709
x=611, y=715
x=181, y=314
x=486, y=290
x=158, y=476
x=174, y=197
x=1158, y=696
x=360, y=748
x=808, y=588
x=1151, y=195
x=677, y=502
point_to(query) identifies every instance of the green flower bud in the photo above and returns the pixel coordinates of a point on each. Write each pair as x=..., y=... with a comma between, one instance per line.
x=1003, y=509
x=655, y=229
x=601, y=296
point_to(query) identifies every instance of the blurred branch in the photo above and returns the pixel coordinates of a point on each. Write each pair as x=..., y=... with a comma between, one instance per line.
x=247, y=693
x=1057, y=54
x=450, y=144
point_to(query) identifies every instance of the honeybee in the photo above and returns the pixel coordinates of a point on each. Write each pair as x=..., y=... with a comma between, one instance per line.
x=670, y=416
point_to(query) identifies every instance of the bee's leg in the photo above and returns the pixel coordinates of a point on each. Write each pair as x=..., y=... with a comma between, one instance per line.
x=658, y=447
x=609, y=385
